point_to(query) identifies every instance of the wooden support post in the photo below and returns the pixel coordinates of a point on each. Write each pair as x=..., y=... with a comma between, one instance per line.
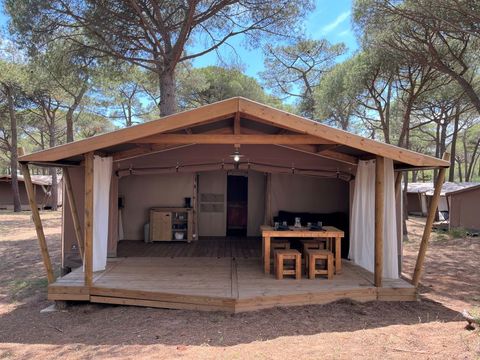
x=428, y=225
x=88, y=218
x=195, y=207
x=38, y=223
x=379, y=215
x=113, y=217
x=268, y=199
x=399, y=219
x=73, y=210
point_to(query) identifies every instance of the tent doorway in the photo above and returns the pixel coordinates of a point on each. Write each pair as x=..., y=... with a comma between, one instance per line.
x=237, y=205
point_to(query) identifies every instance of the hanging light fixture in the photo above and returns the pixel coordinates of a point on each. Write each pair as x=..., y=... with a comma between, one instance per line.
x=236, y=156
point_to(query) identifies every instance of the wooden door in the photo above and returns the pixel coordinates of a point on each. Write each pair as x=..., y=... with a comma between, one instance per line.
x=237, y=205
x=160, y=226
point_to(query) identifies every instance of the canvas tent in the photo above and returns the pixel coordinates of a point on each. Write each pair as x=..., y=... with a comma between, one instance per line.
x=458, y=202
x=42, y=187
x=233, y=165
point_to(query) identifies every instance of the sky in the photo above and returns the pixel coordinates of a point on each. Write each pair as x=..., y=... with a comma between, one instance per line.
x=331, y=20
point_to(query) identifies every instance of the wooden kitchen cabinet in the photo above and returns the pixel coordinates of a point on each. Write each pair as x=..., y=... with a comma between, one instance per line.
x=171, y=224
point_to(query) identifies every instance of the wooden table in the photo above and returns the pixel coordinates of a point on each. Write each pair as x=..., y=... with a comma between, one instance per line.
x=269, y=232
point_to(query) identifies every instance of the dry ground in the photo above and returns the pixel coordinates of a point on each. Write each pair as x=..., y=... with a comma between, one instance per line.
x=428, y=329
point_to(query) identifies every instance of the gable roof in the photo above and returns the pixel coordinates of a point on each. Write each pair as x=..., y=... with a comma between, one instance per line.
x=448, y=188
x=45, y=180
x=227, y=109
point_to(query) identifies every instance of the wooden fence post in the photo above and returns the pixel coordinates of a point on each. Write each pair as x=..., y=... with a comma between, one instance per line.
x=379, y=215
x=38, y=223
x=428, y=225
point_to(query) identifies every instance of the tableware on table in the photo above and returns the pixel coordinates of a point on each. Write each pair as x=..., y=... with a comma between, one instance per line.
x=298, y=224
x=276, y=225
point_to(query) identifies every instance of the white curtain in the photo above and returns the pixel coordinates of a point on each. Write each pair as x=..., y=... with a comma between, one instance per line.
x=362, y=239
x=102, y=176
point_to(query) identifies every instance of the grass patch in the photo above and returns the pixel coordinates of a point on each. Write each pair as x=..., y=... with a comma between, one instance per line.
x=21, y=289
x=458, y=233
x=475, y=313
x=441, y=237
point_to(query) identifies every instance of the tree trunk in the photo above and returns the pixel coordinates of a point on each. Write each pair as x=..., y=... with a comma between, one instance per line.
x=464, y=83
x=168, y=101
x=414, y=176
x=469, y=171
x=460, y=178
x=52, y=170
x=453, y=148
x=17, y=206
x=71, y=111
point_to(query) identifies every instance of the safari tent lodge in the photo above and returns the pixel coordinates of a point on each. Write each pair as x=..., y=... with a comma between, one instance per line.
x=232, y=206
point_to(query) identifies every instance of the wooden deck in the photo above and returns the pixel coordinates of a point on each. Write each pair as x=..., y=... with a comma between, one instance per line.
x=219, y=284
x=229, y=246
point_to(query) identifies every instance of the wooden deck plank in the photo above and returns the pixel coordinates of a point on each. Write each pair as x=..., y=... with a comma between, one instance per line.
x=213, y=283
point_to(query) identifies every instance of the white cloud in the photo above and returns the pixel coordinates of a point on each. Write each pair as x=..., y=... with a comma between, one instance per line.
x=335, y=23
x=345, y=33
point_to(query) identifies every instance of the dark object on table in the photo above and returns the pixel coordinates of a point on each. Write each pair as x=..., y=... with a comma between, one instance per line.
x=282, y=228
x=339, y=220
x=315, y=227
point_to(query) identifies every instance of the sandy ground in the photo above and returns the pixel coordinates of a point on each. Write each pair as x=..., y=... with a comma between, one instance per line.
x=429, y=329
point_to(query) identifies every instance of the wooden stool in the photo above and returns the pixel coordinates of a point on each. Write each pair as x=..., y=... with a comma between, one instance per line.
x=288, y=254
x=314, y=244
x=312, y=256
x=278, y=244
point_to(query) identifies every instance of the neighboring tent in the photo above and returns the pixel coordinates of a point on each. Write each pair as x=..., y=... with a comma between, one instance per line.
x=42, y=186
x=459, y=202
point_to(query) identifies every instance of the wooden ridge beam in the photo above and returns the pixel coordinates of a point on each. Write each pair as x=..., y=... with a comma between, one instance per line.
x=236, y=124
x=265, y=139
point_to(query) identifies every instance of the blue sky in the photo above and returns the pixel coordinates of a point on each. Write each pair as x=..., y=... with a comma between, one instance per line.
x=331, y=20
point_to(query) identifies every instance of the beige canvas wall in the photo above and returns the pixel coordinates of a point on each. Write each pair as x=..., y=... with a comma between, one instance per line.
x=212, y=198
x=141, y=193
x=71, y=255
x=464, y=209
x=298, y=193
x=256, y=202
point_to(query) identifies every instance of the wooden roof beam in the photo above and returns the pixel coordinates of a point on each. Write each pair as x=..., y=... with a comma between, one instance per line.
x=264, y=139
x=327, y=154
x=236, y=124
x=144, y=149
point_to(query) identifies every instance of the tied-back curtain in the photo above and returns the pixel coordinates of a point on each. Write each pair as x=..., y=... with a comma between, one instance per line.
x=102, y=176
x=362, y=244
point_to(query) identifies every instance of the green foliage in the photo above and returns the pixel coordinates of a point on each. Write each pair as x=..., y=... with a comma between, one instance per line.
x=458, y=233
x=295, y=70
x=22, y=288
x=201, y=86
x=154, y=36
x=336, y=97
